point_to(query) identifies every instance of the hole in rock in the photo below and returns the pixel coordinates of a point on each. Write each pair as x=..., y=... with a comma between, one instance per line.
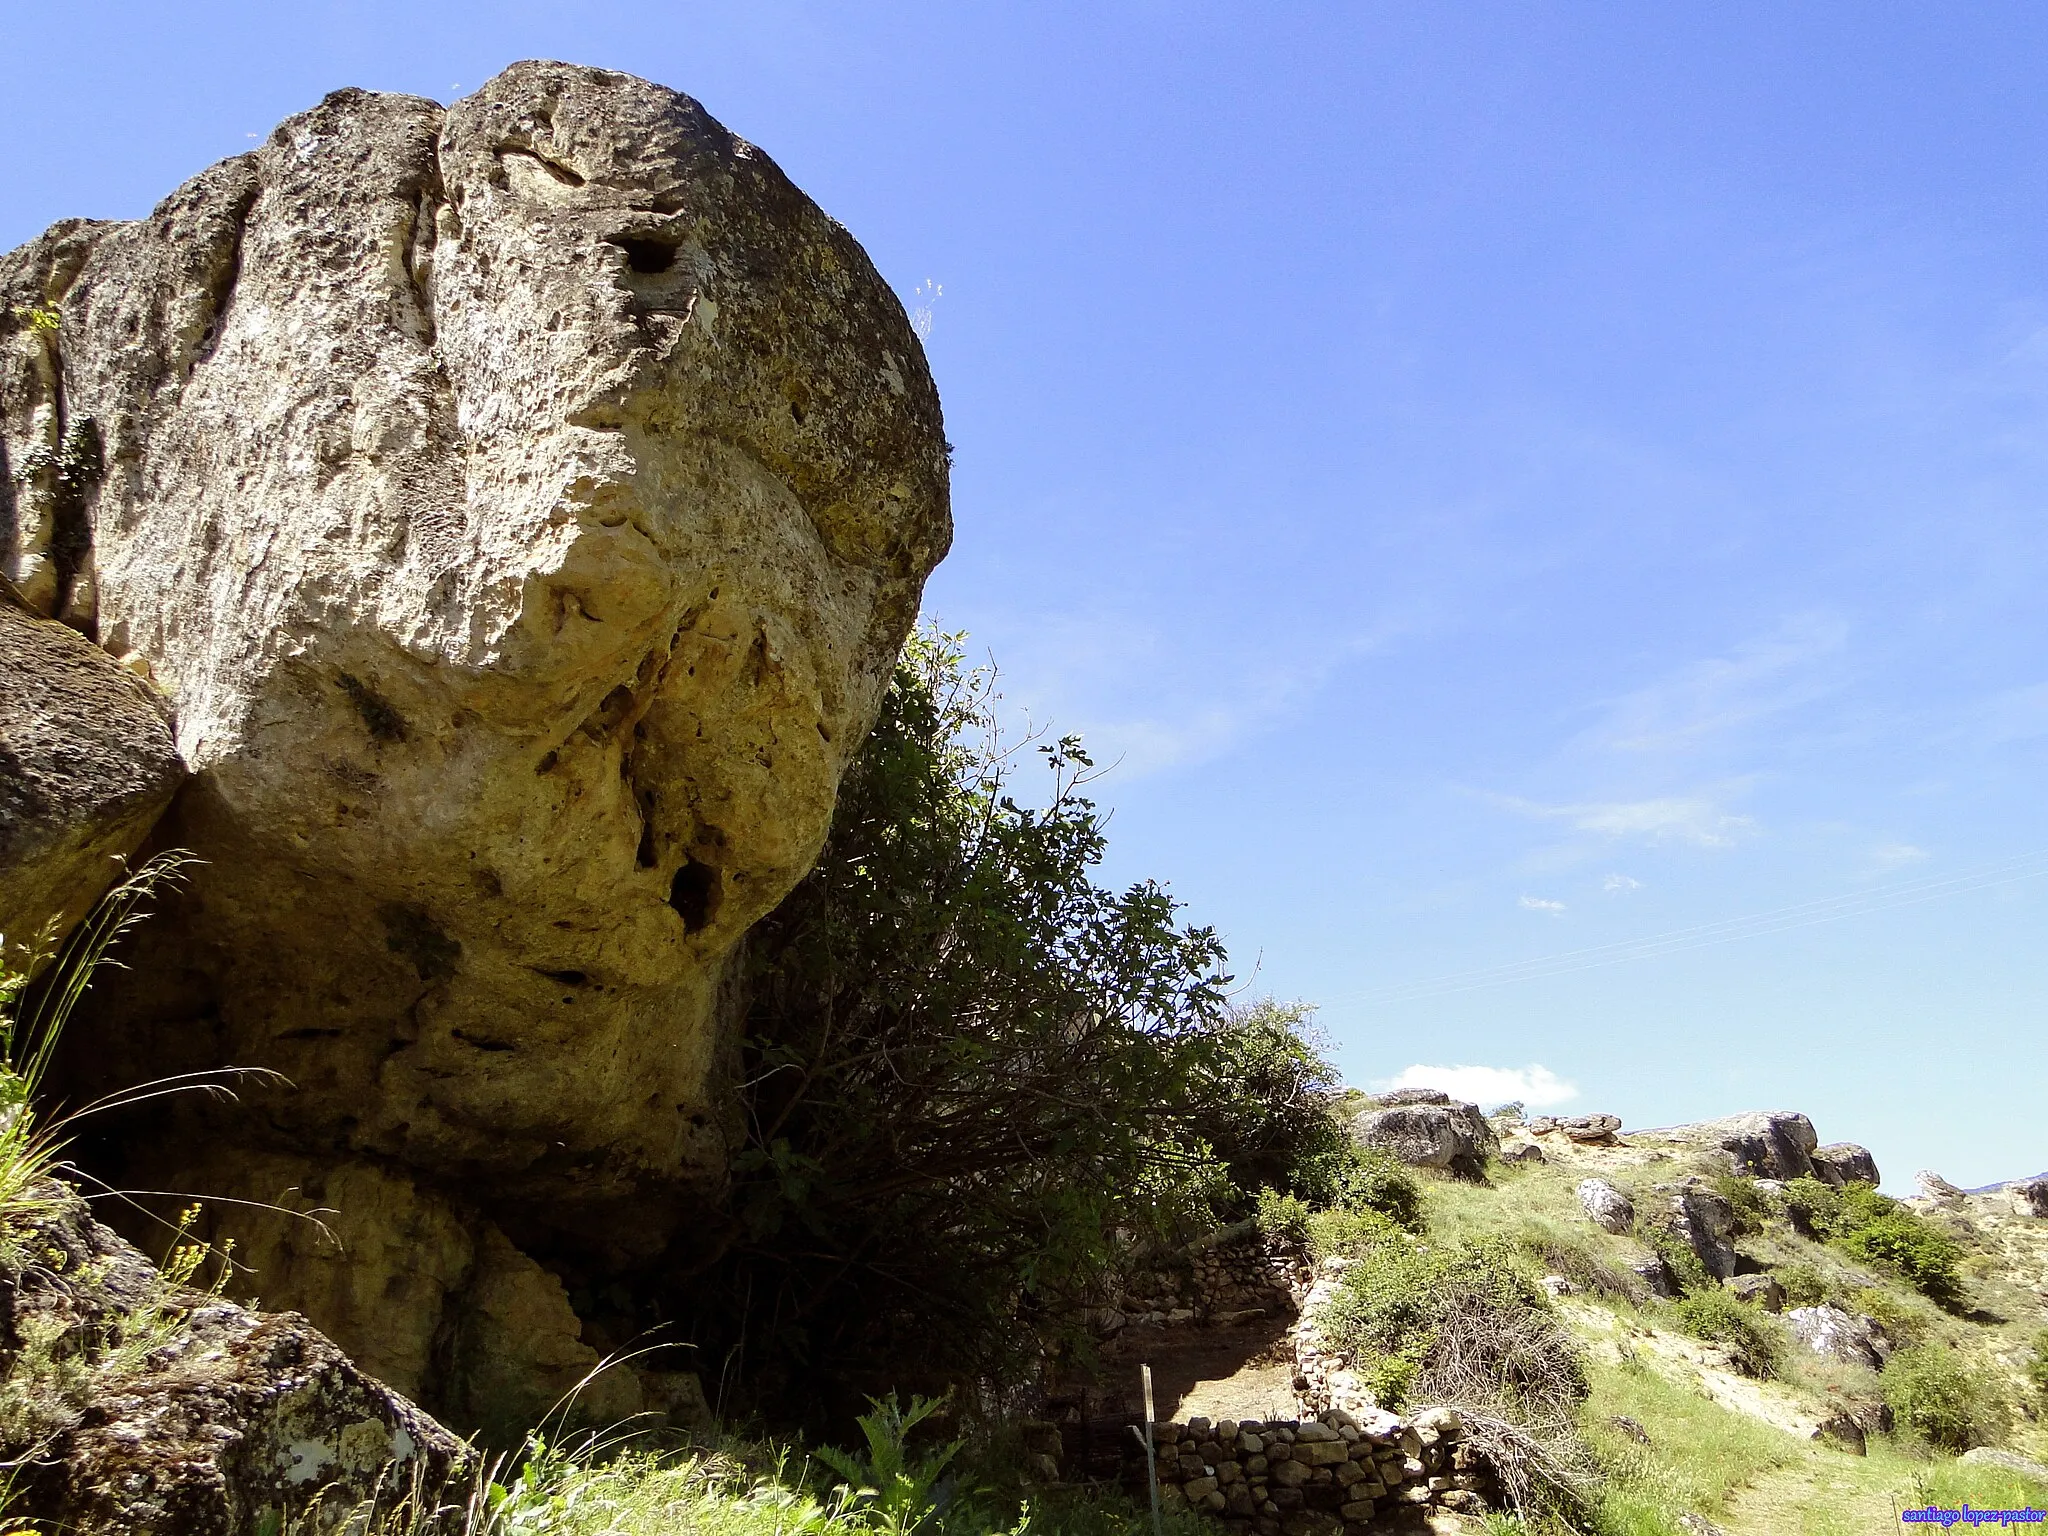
x=649, y=256
x=694, y=894
x=570, y=978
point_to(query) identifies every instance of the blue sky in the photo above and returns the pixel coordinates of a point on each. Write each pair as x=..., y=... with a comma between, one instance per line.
x=1504, y=481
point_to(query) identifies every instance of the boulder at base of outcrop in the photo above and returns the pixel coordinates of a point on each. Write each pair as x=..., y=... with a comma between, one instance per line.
x=1843, y=1162
x=523, y=504
x=1702, y=1220
x=1610, y=1209
x=1523, y=1152
x=1937, y=1190
x=87, y=765
x=1655, y=1272
x=1767, y=1143
x=233, y=1423
x=2029, y=1196
x=1432, y=1133
x=1835, y=1335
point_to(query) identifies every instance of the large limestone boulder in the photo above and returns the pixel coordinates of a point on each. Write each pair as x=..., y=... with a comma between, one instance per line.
x=1837, y=1335
x=1609, y=1209
x=1770, y=1143
x=1843, y=1162
x=1702, y=1220
x=522, y=503
x=1425, y=1128
x=87, y=765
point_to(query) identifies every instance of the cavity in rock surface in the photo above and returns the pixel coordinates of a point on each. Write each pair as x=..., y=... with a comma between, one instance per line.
x=522, y=503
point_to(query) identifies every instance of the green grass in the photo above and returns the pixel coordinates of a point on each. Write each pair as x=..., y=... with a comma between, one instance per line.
x=1699, y=1452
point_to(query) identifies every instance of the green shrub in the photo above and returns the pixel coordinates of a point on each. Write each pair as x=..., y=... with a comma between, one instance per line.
x=1904, y=1321
x=1348, y=1232
x=1679, y=1258
x=1879, y=1230
x=1754, y=1345
x=1367, y=1179
x=1283, y=1216
x=967, y=1067
x=1803, y=1283
x=1936, y=1396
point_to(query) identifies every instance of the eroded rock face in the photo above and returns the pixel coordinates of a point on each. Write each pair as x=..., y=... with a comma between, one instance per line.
x=522, y=503
x=1769, y=1143
x=87, y=764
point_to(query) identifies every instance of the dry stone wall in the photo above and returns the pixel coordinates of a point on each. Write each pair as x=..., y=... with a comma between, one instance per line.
x=1338, y=1471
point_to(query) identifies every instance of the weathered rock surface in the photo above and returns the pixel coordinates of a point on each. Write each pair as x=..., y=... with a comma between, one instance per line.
x=174, y=1410
x=1609, y=1208
x=1843, y=1162
x=2029, y=1196
x=1832, y=1333
x=1702, y=1220
x=522, y=504
x=87, y=765
x=1430, y=1133
x=1770, y=1144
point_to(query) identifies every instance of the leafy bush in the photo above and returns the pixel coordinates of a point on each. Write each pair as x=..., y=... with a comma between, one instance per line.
x=1349, y=1232
x=1803, y=1283
x=1936, y=1396
x=1879, y=1230
x=967, y=1066
x=1754, y=1345
x=1283, y=1216
x=1465, y=1327
x=1903, y=1320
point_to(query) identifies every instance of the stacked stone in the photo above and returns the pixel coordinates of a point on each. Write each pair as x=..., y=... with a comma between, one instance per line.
x=1317, y=1477
x=1323, y=1375
x=1229, y=1283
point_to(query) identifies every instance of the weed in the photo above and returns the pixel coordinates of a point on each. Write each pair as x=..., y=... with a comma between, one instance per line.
x=1755, y=1346
x=891, y=1491
x=1938, y=1397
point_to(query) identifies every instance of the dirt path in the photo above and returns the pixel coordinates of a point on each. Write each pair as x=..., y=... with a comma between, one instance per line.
x=1246, y=1372
x=1835, y=1497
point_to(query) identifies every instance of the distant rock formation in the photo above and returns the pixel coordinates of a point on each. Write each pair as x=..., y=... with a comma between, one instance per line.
x=521, y=504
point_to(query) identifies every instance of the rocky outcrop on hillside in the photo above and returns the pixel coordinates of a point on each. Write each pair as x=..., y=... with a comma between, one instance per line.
x=1426, y=1128
x=87, y=765
x=132, y=1406
x=521, y=504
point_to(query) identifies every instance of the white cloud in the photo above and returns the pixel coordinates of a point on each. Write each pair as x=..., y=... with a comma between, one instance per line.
x=1722, y=695
x=1897, y=855
x=1536, y=1086
x=1699, y=819
x=1538, y=904
x=1620, y=885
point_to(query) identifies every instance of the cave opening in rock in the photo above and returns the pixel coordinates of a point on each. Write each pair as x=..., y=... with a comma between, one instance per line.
x=694, y=894
x=646, y=256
